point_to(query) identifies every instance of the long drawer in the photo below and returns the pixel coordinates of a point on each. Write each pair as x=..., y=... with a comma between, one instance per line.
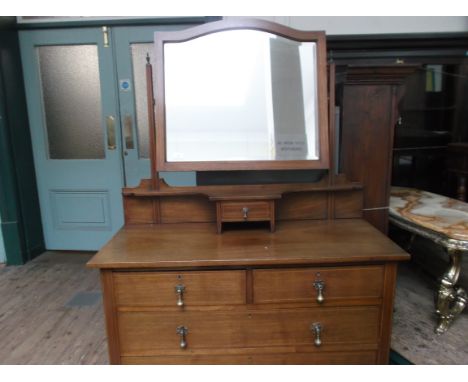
x=327, y=358
x=150, y=333
x=302, y=284
x=199, y=288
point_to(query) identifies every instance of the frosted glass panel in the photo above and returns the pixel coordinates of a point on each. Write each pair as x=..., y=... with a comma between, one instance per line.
x=139, y=52
x=71, y=92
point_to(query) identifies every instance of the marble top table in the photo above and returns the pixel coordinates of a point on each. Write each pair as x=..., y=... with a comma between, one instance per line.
x=444, y=221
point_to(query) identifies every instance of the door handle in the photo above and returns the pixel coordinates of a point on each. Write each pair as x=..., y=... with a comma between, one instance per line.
x=128, y=132
x=110, y=123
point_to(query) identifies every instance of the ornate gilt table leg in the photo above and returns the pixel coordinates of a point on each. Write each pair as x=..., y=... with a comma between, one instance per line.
x=451, y=300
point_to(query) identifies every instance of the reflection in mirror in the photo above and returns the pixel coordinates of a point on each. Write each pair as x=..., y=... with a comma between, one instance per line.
x=241, y=95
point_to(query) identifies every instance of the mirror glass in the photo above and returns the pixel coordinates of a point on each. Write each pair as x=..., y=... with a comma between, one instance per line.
x=241, y=95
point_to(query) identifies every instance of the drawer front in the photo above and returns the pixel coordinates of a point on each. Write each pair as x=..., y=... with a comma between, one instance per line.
x=254, y=211
x=297, y=285
x=329, y=358
x=151, y=333
x=159, y=288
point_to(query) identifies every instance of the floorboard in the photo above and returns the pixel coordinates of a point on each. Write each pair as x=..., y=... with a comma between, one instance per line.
x=38, y=325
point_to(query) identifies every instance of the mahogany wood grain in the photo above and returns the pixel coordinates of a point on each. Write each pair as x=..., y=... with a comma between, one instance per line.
x=179, y=209
x=341, y=284
x=249, y=286
x=369, y=114
x=150, y=333
x=254, y=191
x=245, y=211
x=113, y=338
x=139, y=210
x=328, y=358
x=219, y=221
x=198, y=245
x=233, y=211
x=272, y=216
x=158, y=288
x=301, y=206
x=151, y=124
x=369, y=129
x=387, y=312
x=332, y=122
x=292, y=206
x=378, y=218
x=347, y=205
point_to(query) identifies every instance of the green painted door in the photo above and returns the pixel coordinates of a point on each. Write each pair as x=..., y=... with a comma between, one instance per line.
x=87, y=110
x=74, y=120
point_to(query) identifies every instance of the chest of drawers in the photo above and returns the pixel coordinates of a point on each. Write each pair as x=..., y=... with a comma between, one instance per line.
x=193, y=296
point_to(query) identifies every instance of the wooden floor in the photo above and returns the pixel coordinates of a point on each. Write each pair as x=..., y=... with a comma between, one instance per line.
x=45, y=315
x=51, y=313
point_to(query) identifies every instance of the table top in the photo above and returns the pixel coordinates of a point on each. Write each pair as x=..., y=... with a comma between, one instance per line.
x=293, y=243
x=445, y=216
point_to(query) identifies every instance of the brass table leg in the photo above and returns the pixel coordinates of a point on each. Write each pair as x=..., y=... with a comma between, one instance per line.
x=451, y=300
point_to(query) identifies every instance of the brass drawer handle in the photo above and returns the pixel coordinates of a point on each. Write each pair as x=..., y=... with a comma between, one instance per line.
x=182, y=332
x=180, y=289
x=316, y=329
x=319, y=287
x=245, y=212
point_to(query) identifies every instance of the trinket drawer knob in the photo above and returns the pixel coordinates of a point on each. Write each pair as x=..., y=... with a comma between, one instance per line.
x=245, y=212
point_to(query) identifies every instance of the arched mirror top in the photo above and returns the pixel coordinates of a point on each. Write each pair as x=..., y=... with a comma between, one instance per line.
x=241, y=95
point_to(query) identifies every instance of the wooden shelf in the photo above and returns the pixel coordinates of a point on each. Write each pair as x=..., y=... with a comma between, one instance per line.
x=261, y=191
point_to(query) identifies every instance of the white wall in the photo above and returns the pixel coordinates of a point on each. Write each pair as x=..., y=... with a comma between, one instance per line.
x=2, y=247
x=339, y=25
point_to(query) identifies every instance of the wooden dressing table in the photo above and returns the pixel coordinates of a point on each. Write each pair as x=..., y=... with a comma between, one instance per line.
x=247, y=274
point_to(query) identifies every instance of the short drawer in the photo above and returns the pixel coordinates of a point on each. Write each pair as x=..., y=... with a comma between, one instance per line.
x=303, y=284
x=198, y=288
x=151, y=333
x=246, y=211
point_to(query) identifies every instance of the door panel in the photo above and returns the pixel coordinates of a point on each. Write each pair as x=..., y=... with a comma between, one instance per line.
x=131, y=47
x=70, y=89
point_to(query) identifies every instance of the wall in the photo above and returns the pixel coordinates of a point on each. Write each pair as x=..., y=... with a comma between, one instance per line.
x=19, y=206
x=343, y=25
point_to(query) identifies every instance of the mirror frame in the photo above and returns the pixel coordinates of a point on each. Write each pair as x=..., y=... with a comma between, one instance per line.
x=161, y=38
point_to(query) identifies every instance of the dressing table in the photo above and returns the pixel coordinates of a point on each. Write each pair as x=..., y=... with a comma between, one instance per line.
x=247, y=273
